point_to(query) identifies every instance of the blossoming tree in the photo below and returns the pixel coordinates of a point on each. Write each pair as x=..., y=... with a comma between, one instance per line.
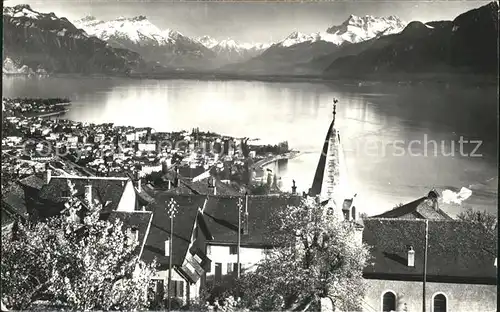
x=74, y=260
x=319, y=256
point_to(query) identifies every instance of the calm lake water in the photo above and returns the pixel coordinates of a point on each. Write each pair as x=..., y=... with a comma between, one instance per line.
x=384, y=127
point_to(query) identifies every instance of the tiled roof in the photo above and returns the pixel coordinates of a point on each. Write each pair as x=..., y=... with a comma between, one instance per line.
x=159, y=231
x=7, y=217
x=420, y=208
x=32, y=181
x=190, y=173
x=13, y=200
x=221, y=215
x=106, y=190
x=455, y=249
x=202, y=188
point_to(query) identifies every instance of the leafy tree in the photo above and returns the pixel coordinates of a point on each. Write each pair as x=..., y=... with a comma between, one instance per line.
x=488, y=220
x=82, y=263
x=318, y=256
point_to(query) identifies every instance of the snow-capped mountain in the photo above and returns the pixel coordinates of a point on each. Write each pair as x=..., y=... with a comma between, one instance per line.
x=208, y=41
x=41, y=40
x=355, y=29
x=230, y=50
x=300, y=48
x=167, y=47
x=437, y=47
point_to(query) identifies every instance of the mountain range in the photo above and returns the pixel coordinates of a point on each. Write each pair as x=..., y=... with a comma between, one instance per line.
x=40, y=40
x=232, y=51
x=468, y=44
x=286, y=56
x=358, y=47
x=168, y=48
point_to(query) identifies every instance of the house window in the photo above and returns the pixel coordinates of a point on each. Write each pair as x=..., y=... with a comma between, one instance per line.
x=353, y=210
x=230, y=268
x=233, y=250
x=439, y=303
x=389, y=302
x=190, y=267
x=218, y=272
x=197, y=258
x=177, y=289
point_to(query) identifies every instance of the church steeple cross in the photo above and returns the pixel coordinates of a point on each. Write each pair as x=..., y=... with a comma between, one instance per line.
x=335, y=101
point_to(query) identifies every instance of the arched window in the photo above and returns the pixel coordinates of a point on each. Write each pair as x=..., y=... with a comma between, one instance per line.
x=439, y=303
x=389, y=302
x=353, y=211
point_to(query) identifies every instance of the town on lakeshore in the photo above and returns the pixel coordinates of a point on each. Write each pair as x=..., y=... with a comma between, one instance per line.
x=110, y=216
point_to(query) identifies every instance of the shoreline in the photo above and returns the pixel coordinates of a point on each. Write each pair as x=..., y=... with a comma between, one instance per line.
x=394, y=78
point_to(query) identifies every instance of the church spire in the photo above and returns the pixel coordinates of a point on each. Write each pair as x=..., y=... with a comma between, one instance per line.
x=326, y=175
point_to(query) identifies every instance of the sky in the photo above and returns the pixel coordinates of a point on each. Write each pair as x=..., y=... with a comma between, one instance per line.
x=245, y=21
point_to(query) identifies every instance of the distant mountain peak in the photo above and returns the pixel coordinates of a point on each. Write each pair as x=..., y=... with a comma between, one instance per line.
x=21, y=10
x=361, y=28
x=22, y=6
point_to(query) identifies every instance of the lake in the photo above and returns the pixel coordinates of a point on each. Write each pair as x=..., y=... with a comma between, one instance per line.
x=399, y=141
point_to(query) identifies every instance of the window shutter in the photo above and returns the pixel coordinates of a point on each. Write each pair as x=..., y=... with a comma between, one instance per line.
x=180, y=289
x=171, y=292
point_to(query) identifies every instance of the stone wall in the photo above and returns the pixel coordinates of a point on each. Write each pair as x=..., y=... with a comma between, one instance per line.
x=460, y=297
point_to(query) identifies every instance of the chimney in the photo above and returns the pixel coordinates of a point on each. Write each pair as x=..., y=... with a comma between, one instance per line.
x=411, y=257
x=48, y=176
x=211, y=185
x=167, y=248
x=245, y=221
x=88, y=194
